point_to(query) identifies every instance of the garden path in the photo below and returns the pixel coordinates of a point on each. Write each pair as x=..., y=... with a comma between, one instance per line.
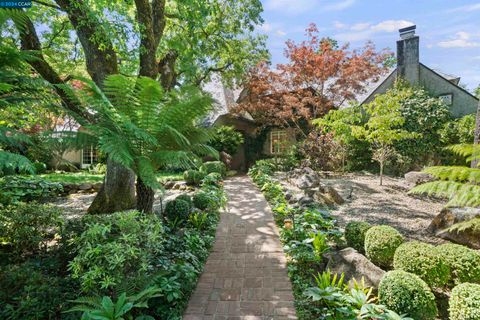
x=245, y=277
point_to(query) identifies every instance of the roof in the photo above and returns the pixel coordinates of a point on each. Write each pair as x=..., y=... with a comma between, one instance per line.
x=453, y=80
x=224, y=98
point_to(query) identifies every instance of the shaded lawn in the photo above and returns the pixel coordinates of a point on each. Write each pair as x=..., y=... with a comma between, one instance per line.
x=87, y=177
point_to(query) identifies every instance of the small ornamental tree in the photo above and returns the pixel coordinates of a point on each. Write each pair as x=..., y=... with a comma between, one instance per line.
x=384, y=127
x=319, y=76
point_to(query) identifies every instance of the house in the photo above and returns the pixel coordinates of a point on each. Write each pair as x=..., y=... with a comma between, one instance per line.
x=409, y=68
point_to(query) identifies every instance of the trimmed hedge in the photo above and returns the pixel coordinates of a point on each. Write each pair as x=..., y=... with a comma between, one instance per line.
x=193, y=177
x=177, y=209
x=423, y=260
x=355, y=234
x=214, y=166
x=405, y=292
x=202, y=201
x=464, y=262
x=185, y=197
x=464, y=302
x=381, y=243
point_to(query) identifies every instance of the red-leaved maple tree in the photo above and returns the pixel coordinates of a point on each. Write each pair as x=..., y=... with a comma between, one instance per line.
x=319, y=76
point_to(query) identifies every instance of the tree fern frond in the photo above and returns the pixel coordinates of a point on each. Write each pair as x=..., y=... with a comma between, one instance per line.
x=469, y=151
x=15, y=161
x=455, y=173
x=459, y=194
x=146, y=172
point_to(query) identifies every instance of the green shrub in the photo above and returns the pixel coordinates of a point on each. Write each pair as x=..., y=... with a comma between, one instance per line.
x=464, y=262
x=214, y=166
x=28, y=294
x=188, y=199
x=464, y=303
x=355, y=235
x=423, y=260
x=177, y=209
x=28, y=227
x=27, y=188
x=40, y=167
x=115, y=248
x=405, y=292
x=381, y=243
x=202, y=201
x=193, y=177
x=212, y=179
x=227, y=139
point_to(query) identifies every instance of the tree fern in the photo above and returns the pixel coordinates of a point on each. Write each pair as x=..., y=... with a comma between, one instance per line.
x=461, y=185
x=144, y=128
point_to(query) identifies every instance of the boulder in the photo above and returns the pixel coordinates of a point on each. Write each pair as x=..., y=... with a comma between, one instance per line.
x=332, y=194
x=169, y=184
x=97, y=186
x=85, y=186
x=354, y=265
x=418, y=177
x=448, y=217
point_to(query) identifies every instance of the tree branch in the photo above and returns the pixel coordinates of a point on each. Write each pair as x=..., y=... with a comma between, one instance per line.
x=101, y=58
x=212, y=69
x=48, y=5
x=30, y=41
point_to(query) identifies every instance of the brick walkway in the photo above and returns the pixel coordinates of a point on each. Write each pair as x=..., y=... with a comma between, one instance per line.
x=245, y=277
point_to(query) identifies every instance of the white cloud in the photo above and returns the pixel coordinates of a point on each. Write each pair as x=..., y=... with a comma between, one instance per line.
x=339, y=6
x=280, y=33
x=339, y=25
x=294, y=7
x=467, y=8
x=360, y=26
x=391, y=25
x=365, y=30
x=266, y=27
x=462, y=39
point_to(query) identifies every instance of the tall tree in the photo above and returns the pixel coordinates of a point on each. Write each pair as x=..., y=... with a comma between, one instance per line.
x=167, y=40
x=319, y=76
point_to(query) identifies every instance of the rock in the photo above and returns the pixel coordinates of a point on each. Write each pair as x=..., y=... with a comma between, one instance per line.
x=305, y=200
x=450, y=216
x=354, y=265
x=332, y=194
x=417, y=177
x=179, y=185
x=97, y=186
x=85, y=186
x=169, y=184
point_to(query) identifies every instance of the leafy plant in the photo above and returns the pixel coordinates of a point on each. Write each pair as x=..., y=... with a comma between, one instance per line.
x=193, y=177
x=202, y=200
x=423, y=260
x=198, y=220
x=29, y=227
x=464, y=302
x=115, y=248
x=381, y=243
x=177, y=209
x=404, y=292
x=355, y=234
x=227, y=139
x=27, y=188
x=463, y=262
x=214, y=167
x=96, y=308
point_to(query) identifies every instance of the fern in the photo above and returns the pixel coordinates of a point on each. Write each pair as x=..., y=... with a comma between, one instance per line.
x=144, y=128
x=460, y=185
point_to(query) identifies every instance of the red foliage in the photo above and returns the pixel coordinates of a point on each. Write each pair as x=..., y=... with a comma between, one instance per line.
x=319, y=76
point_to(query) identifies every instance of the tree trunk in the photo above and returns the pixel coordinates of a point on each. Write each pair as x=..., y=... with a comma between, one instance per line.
x=117, y=192
x=381, y=173
x=477, y=134
x=145, y=197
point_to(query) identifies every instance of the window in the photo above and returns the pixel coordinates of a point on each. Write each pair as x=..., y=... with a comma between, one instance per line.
x=89, y=156
x=278, y=141
x=447, y=99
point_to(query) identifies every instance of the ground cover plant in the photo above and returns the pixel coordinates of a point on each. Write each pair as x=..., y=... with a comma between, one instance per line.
x=127, y=264
x=307, y=234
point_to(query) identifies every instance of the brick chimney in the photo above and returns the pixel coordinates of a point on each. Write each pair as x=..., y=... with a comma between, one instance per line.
x=408, y=62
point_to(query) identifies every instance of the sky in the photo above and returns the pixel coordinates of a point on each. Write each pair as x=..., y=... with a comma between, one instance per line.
x=449, y=30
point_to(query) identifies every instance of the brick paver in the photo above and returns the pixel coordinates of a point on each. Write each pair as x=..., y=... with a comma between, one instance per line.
x=245, y=277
